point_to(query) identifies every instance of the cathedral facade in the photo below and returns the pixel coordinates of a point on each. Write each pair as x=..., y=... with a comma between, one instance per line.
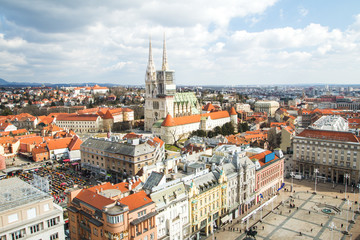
x=171, y=115
x=161, y=98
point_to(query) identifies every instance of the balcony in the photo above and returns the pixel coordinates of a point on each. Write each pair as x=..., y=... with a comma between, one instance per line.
x=86, y=228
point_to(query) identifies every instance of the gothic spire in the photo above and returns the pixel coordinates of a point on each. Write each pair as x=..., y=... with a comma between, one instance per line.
x=165, y=66
x=150, y=71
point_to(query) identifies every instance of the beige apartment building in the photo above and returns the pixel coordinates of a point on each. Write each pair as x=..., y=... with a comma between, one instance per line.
x=28, y=213
x=103, y=156
x=269, y=107
x=80, y=122
x=333, y=153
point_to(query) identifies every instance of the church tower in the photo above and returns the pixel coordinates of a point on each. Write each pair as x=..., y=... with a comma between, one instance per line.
x=160, y=90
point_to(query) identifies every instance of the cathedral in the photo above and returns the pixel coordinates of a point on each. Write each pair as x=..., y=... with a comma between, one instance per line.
x=171, y=115
x=161, y=97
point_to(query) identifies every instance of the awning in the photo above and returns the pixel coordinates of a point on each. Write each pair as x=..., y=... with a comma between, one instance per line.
x=75, y=163
x=66, y=160
x=225, y=219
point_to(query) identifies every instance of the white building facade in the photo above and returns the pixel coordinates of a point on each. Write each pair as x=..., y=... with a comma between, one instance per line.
x=171, y=201
x=28, y=213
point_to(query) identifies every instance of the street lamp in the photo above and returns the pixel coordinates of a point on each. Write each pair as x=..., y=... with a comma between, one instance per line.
x=332, y=226
x=359, y=196
x=346, y=179
x=316, y=171
x=347, y=214
x=292, y=181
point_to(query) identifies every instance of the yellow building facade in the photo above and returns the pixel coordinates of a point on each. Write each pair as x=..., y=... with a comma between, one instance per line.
x=207, y=202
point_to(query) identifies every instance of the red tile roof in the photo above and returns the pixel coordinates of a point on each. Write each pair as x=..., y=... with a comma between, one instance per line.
x=41, y=148
x=209, y=107
x=261, y=157
x=132, y=135
x=77, y=117
x=329, y=135
x=75, y=144
x=136, y=200
x=170, y=121
x=123, y=186
x=59, y=143
x=232, y=111
x=94, y=199
x=155, y=140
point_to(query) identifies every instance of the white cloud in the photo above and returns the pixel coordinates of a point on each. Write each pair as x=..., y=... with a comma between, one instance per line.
x=303, y=11
x=83, y=41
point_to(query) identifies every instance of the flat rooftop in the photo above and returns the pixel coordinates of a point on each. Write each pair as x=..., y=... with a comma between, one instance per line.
x=15, y=193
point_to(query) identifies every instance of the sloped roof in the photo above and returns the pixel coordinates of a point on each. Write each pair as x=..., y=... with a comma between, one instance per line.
x=75, y=143
x=59, y=143
x=153, y=180
x=132, y=135
x=107, y=115
x=261, y=157
x=154, y=141
x=41, y=148
x=329, y=135
x=209, y=107
x=78, y=117
x=119, y=148
x=170, y=121
x=136, y=200
x=123, y=186
x=94, y=199
x=232, y=111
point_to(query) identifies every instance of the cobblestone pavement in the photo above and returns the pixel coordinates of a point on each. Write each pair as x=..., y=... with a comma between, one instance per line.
x=306, y=217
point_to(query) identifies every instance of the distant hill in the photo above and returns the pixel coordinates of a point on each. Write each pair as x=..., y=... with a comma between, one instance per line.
x=4, y=83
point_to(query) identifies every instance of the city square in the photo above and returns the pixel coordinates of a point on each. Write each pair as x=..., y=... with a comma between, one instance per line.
x=307, y=219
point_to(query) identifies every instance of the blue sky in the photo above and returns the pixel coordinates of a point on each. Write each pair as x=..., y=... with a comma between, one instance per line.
x=232, y=42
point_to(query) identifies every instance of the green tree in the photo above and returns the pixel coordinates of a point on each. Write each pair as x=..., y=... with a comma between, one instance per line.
x=273, y=138
x=7, y=111
x=199, y=133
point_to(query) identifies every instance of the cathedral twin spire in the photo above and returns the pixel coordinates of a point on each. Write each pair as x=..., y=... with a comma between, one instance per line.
x=165, y=66
x=150, y=71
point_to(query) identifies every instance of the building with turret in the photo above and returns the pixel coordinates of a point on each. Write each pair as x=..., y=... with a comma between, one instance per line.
x=171, y=115
x=161, y=98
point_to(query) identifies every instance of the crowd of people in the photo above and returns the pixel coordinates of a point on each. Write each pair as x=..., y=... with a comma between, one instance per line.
x=59, y=180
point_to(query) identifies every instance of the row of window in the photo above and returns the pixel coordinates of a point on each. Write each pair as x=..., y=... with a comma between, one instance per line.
x=30, y=213
x=19, y=234
x=115, y=219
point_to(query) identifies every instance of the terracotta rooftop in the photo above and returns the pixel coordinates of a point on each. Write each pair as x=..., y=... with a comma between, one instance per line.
x=94, y=199
x=75, y=143
x=170, y=121
x=232, y=111
x=154, y=141
x=123, y=186
x=329, y=135
x=136, y=200
x=261, y=157
x=209, y=107
x=78, y=117
x=59, y=143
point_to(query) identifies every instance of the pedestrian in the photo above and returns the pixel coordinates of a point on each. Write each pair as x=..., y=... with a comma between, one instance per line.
x=300, y=234
x=263, y=227
x=342, y=225
x=309, y=212
x=311, y=230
